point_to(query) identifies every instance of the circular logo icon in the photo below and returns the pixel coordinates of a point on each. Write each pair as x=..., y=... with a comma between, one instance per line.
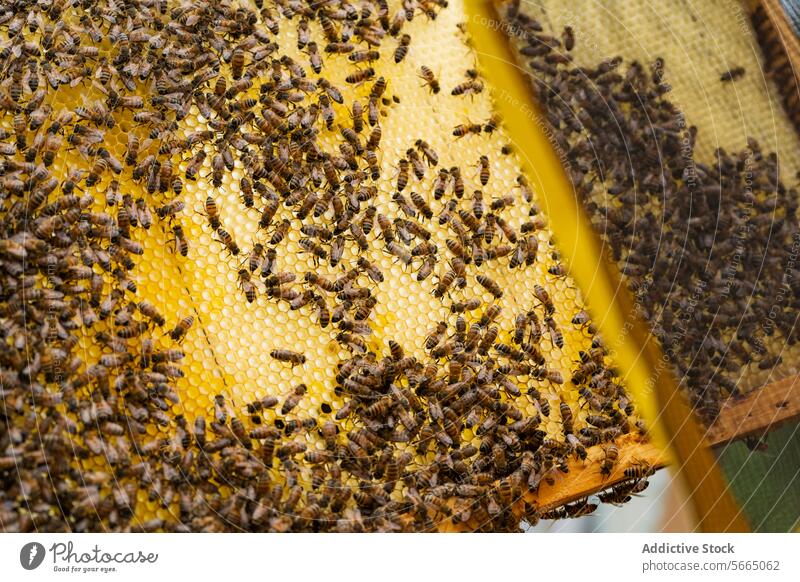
x=31, y=555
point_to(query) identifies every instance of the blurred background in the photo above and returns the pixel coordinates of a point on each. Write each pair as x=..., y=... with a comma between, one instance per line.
x=698, y=39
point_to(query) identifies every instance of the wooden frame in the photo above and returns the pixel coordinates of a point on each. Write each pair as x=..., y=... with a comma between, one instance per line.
x=754, y=414
x=781, y=48
x=783, y=29
x=758, y=412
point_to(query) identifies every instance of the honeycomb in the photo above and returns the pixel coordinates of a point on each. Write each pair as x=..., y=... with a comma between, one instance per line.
x=229, y=359
x=406, y=310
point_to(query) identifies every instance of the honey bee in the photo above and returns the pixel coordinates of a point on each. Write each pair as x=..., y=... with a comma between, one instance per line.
x=96, y=113
x=623, y=492
x=408, y=210
x=228, y=241
x=477, y=203
x=471, y=87
x=639, y=470
x=129, y=102
x=52, y=143
x=217, y=169
x=293, y=399
x=491, y=124
x=425, y=270
x=246, y=285
x=280, y=232
x=524, y=252
x=599, y=421
x=311, y=247
x=255, y=257
x=399, y=252
x=464, y=306
x=556, y=337
x=371, y=269
x=337, y=250
x=464, y=129
x=520, y=327
x=611, y=456
x=440, y=186
x=220, y=410
x=351, y=342
x=423, y=249
x=301, y=300
x=566, y=418
x=357, y=115
x=372, y=161
x=506, y=229
x=194, y=165
x=323, y=313
x=352, y=137
x=181, y=243
x=396, y=350
x=170, y=209
x=403, y=174
x=374, y=138
x=544, y=297
x=378, y=88
x=577, y=509
x=288, y=356
x=402, y=48
x=322, y=282
x=416, y=163
x=458, y=182
x=268, y=213
x=330, y=91
x=505, y=492
x=95, y=173
x=38, y=114
x=149, y=311
x=272, y=279
x=237, y=63
x=445, y=282
x=527, y=193
x=422, y=205
x=585, y=370
x=490, y=285
x=182, y=327
x=387, y=232
x=499, y=458
x=732, y=74
x=483, y=164
x=568, y=38
x=303, y=34
x=372, y=114
x=268, y=265
x=246, y=189
x=435, y=337
x=315, y=57
x=364, y=56
x=430, y=155
x=430, y=79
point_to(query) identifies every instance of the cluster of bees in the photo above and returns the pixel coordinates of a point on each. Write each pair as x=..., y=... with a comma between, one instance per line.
x=74, y=211
x=708, y=249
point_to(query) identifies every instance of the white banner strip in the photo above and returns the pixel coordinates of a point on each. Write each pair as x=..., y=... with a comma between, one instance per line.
x=406, y=558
